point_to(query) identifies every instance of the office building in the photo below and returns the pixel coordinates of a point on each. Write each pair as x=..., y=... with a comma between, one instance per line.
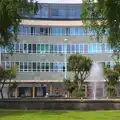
x=40, y=52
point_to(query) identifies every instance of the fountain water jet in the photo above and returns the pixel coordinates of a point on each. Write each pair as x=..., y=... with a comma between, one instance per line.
x=96, y=74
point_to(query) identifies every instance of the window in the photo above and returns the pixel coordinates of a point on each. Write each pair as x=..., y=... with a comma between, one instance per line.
x=47, y=50
x=51, y=48
x=32, y=30
x=34, y=66
x=81, y=48
x=60, y=48
x=60, y=66
x=38, y=67
x=73, y=48
x=90, y=48
x=25, y=48
x=51, y=66
x=17, y=48
x=8, y=64
x=42, y=66
x=29, y=48
x=54, y=12
x=94, y=48
x=77, y=48
x=55, y=67
x=85, y=48
x=29, y=66
x=34, y=48
x=25, y=66
x=58, y=31
x=55, y=49
x=47, y=66
x=21, y=47
x=77, y=31
x=99, y=48
x=68, y=48
x=21, y=67
x=107, y=48
x=42, y=48
x=38, y=48
x=44, y=31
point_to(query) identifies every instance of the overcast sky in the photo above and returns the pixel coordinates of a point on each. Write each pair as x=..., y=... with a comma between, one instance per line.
x=60, y=1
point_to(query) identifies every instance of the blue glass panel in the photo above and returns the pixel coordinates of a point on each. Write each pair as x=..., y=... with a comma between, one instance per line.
x=55, y=48
x=58, y=31
x=94, y=48
x=62, y=13
x=51, y=48
x=81, y=48
x=60, y=48
x=60, y=66
x=99, y=48
x=73, y=48
x=55, y=67
x=51, y=66
x=77, y=48
x=77, y=31
x=17, y=47
x=21, y=47
x=68, y=48
x=90, y=48
x=107, y=48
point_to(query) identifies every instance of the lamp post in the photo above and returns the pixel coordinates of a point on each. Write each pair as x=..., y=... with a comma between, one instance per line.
x=65, y=58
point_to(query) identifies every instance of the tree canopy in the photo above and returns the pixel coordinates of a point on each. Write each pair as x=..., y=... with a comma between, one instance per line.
x=11, y=14
x=103, y=18
x=6, y=75
x=112, y=78
x=80, y=65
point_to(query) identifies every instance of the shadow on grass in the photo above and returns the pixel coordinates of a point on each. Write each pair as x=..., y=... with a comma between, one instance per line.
x=15, y=113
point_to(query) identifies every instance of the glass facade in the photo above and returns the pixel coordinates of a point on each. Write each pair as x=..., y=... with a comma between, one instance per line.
x=58, y=11
x=35, y=66
x=59, y=48
x=54, y=31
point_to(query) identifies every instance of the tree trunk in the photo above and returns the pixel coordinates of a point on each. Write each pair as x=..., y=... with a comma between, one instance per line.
x=8, y=93
x=2, y=97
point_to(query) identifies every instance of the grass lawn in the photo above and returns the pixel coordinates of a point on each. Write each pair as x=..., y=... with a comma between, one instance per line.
x=59, y=115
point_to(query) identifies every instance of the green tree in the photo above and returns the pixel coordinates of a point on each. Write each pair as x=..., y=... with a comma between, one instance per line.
x=11, y=14
x=69, y=86
x=5, y=77
x=80, y=66
x=103, y=18
x=112, y=78
x=11, y=75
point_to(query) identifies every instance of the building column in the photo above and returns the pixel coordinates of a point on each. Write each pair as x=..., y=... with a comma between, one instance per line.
x=51, y=89
x=16, y=92
x=86, y=91
x=33, y=92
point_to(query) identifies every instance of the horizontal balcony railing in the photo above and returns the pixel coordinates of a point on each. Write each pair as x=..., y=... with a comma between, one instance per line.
x=91, y=48
x=36, y=66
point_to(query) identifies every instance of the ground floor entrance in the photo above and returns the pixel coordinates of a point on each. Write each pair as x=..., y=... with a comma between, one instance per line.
x=41, y=89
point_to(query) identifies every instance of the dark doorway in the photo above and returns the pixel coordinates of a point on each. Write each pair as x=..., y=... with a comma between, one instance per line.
x=44, y=90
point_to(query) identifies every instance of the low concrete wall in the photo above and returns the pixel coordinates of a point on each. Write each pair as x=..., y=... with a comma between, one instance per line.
x=60, y=104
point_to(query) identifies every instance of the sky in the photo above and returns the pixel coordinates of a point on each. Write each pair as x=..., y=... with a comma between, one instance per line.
x=60, y=1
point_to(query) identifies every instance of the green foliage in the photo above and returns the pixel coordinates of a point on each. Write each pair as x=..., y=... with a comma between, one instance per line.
x=11, y=14
x=5, y=75
x=112, y=77
x=79, y=93
x=103, y=15
x=69, y=86
x=80, y=65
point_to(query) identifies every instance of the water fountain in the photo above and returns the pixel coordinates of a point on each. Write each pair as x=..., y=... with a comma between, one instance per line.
x=96, y=74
